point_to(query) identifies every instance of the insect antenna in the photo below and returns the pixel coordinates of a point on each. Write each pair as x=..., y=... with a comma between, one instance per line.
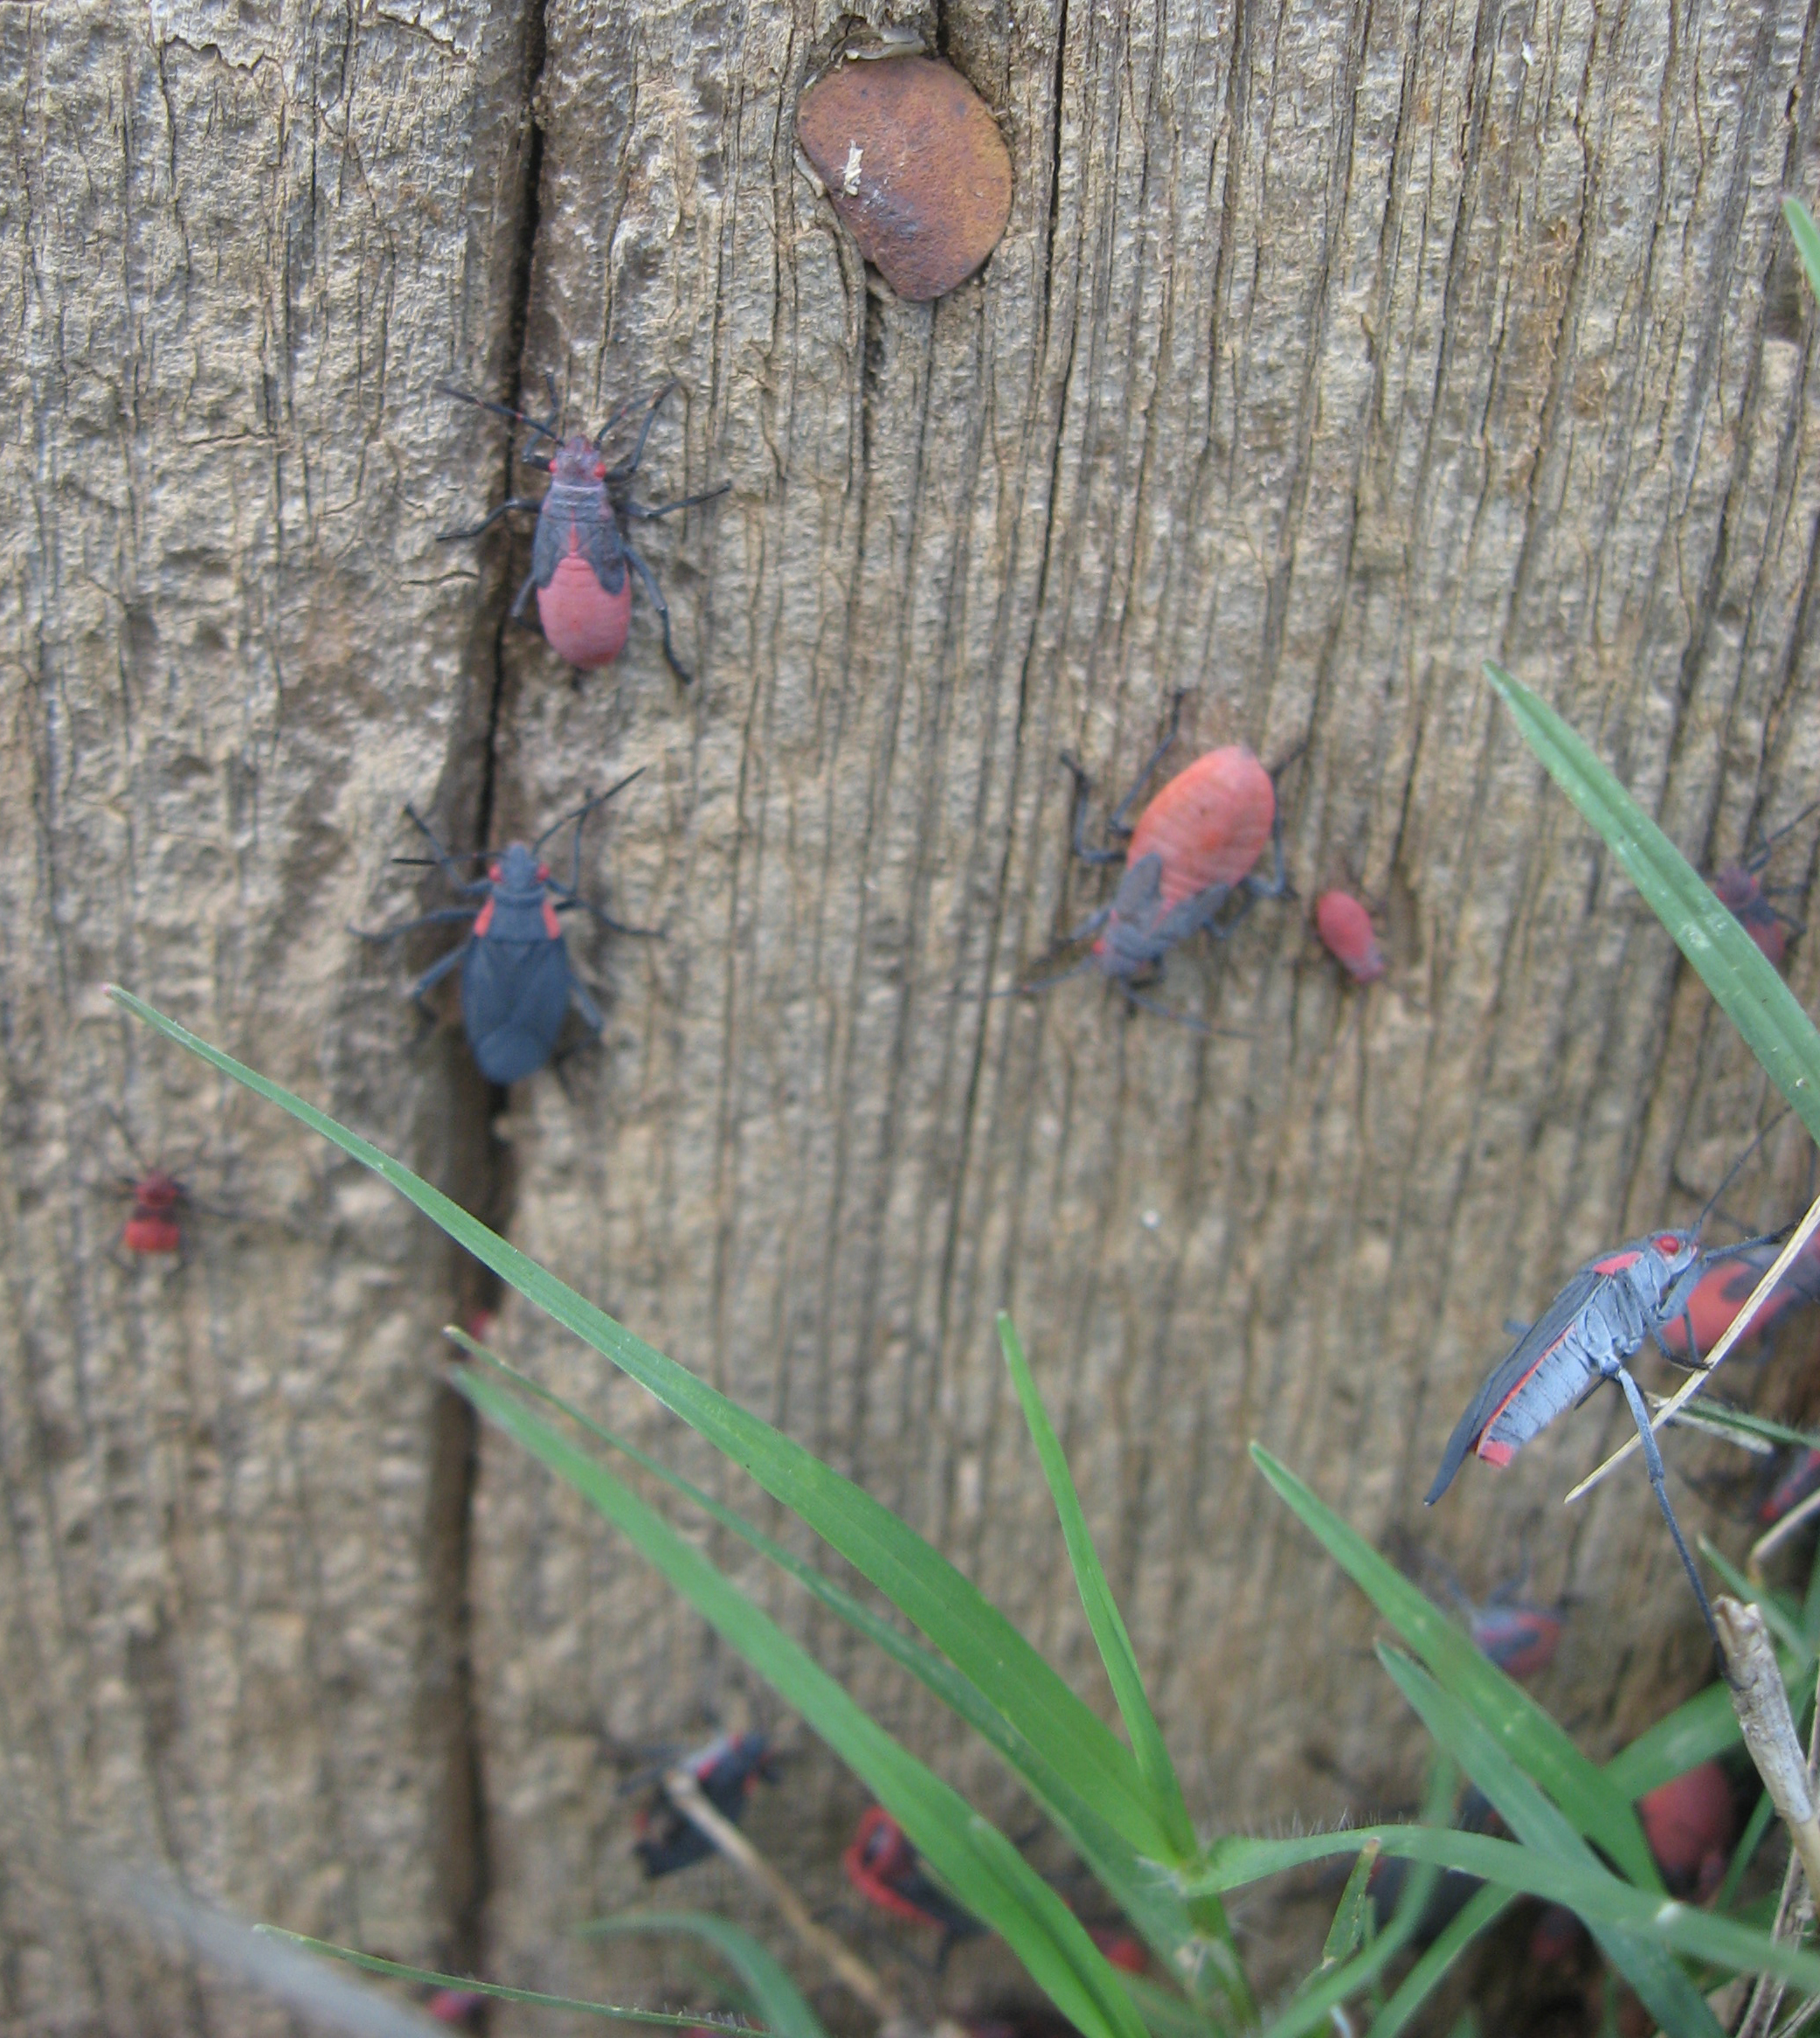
x=1731, y=1174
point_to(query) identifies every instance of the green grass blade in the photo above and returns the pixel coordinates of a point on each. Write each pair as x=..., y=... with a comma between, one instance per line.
x=1683, y=1928
x=984, y=1872
x=428, y=1977
x=1660, y=1985
x=776, y=2000
x=1751, y=1838
x=1718, y=1415
x=1153, y=1904
x=1738, y=975
x=1103, y=1614
x=1704, y=1726
x=1432, y=1964
x=1353, y=1917
x=1593, y=1804
x=1165, y=2014
x=916, y=1577
x=1807, y=240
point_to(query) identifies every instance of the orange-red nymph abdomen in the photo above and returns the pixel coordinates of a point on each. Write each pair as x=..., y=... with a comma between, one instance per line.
x=1209, y=824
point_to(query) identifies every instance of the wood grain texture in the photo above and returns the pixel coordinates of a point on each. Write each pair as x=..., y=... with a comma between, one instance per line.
x=1327, y=352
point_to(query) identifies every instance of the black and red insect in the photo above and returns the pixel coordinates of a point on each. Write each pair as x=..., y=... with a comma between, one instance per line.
x=583, y=549
x=725, y=1771
x=517, y=983
x=888, y=1872
x=1740, y=888
x=1189, y=863
x=1599, y=1320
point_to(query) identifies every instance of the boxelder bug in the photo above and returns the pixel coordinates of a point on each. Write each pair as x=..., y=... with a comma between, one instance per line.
x=1603, y=1316
x=1795, y=1485
x=1690, y=1823
x=726, y=1770
x=1738, y=888
x=581, y=550
x=1345, y=926
x=1724, y=1290
x=1520, y=1637
x=1191, y=851
x=887, y=1871
x=154, y=1226
x=516, y=982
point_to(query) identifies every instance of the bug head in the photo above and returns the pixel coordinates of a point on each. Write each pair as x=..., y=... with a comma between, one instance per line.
x=519, y=870
x=158, y=1190
x=578, y=462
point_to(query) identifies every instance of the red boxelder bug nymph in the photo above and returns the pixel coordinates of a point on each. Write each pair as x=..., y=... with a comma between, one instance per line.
x=1601, y=1318
x=725, y=1771
x=1690, y=1823
x=1191, y=851
x=887, y=1871
x=1801, y=1479
x=581, y=551
x=154, y=1226
x=1518, y=1637
x=1740, y=889
x=516, y=982
x=1345, y=927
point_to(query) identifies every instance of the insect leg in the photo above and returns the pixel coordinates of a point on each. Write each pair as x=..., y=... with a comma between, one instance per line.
x=1117, y=824
x=1658, y=1481
x=1083, y=789
x=662, y=607
x=433, y=976
x=450, y=869
x=1091, y=924
x=626, y=468
x=487, y=521
x=640, y=514
x=585, y=1005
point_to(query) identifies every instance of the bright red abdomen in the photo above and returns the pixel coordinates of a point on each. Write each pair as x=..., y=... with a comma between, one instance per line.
x=152, y=1234
x=1209, y=824
x=584, y=623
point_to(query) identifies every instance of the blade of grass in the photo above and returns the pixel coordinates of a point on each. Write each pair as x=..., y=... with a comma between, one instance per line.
x=1592, y=1803
x=1807, y=240
x=1103, y=1614
x=984, y=1872
x=916, y=1577
x=675, y=2019
x=1235, y=1862
x=1733, y=968
x=1352, y=1918
x=1660, y=1985
x=778, y=2002
x=1704, y=1726
x=1147, y=1899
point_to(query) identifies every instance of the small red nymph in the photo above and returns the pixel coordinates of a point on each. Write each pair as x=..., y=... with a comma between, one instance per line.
x=1345, y=927
x=153, y=1227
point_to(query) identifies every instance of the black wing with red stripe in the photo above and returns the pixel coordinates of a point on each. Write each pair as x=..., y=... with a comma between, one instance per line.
x=1514, y=1368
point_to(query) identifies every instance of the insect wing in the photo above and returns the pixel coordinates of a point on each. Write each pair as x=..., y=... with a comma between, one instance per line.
x=1514, y=1372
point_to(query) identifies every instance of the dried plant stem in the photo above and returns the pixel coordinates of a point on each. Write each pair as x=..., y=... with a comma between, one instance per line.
x=1795, y=1909
x=864, y=1981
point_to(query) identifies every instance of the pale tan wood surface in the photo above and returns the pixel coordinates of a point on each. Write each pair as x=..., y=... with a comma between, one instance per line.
x=1326, y=354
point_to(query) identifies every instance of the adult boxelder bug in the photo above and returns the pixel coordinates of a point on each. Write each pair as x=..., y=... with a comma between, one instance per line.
x=516, y=982
x=581, y=550
x=887, y=1871
x=1724, y=1290
x=1345, y=927
x=1191, y=851
x=1738, y=888
x=726, y=1771
x=1603, y=1316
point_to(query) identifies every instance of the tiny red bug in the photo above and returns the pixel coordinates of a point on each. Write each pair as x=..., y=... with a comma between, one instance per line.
x=581, y=551
x=1191, y=851
x=1690, y=1823
x=1519, y=1637
x=154, y=1226
x=1740, y=889
x=1345, y=926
